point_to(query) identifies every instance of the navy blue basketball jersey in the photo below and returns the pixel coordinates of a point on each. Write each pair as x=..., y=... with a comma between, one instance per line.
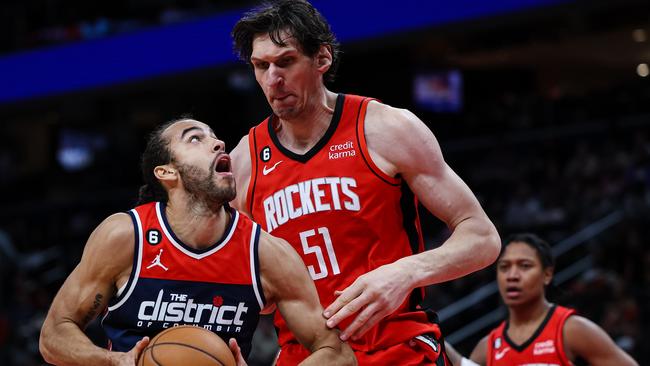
x=172, y=284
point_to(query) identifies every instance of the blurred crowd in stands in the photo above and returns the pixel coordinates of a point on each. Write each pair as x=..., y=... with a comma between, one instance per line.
x=32, y=24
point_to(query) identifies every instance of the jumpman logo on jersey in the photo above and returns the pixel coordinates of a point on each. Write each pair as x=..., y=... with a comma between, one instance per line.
x=156, y=262
x=267, y=171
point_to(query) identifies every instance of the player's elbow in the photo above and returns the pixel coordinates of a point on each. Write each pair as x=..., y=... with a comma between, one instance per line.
x=44, y=344
x=490, y=244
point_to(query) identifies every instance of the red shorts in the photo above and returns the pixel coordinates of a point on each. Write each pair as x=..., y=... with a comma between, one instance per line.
x=423, y=350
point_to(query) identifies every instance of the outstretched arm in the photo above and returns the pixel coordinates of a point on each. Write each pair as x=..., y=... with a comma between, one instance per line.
x=584, y=338
x=286, y=282
x=108, y=255
x=400, y=144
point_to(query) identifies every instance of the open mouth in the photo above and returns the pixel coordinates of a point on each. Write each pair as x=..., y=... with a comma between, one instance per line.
x=512, y=291
x=223, y=164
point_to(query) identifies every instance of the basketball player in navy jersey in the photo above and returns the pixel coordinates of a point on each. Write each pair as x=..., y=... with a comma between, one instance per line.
x=537, y=332
x=195, y=261
x=337, y=176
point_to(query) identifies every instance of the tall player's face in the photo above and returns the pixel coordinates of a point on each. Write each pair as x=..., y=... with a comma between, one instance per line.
x=521, y=276
x=202, y=163
x=286, y=75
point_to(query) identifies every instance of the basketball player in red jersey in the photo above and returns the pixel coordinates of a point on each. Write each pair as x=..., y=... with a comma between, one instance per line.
x=195, y=261
x=334, y=175
x=538, y=332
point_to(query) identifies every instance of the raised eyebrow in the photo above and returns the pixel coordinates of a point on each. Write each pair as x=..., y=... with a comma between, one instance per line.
x=188, y=130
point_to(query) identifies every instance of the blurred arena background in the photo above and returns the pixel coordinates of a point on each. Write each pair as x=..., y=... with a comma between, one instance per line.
x=542, y=106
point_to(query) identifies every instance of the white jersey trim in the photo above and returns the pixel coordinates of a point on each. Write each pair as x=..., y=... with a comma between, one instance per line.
x=180, y=247
x=135, y=275
x=254, y=281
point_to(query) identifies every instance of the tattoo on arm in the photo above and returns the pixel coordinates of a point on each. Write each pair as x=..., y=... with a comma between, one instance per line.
x=93, y=311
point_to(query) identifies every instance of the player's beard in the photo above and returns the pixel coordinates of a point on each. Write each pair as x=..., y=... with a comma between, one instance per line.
x=203, y=190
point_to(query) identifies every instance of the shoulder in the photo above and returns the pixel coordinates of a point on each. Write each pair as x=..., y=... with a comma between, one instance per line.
x=390, y=120
x=111, y=243
x=273, y=251
x=240, y=154
x=271, y=246
x=114, y=229
x=399, y=142
x=241, y=169
x=584, y=338
x=581, y=335
x=579, y=326
x=480, y=352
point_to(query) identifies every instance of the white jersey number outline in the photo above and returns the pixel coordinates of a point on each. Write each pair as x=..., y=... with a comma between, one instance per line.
x=316, y=249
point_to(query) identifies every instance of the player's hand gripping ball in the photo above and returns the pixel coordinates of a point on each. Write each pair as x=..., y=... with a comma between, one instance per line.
x=186, y=345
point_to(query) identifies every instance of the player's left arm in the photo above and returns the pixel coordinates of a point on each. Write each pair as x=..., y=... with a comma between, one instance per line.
x=286, y=282
x=584, y=338
x=400, y=144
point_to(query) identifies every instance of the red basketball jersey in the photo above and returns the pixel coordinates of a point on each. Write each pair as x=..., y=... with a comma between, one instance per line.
x=545, y=346
x=342, y=214
x=217, y=288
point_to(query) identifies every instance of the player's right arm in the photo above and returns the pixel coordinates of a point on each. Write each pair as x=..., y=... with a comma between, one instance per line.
x=286, y=283
x=107, y=259
x=240, y=158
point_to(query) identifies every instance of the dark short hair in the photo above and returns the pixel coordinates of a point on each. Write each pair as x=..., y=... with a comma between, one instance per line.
x=543, y=249
x=299, y=18
x=157, y=152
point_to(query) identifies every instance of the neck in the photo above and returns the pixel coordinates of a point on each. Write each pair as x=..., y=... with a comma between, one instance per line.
x=305, y=130
x=197, y=225
x=528, y=313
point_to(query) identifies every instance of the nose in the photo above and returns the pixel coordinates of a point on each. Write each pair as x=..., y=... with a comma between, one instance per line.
x=275, y=77
x=218, y=145
x=512, y=274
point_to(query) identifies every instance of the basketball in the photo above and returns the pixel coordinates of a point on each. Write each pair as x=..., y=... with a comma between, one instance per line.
x=187, y=345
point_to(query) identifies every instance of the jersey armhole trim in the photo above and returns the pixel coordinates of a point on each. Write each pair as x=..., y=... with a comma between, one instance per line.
x=255, y=266
x=363, y=146
x=560, y=336
x=494, y=333
x=125, y=291
x=252, y=181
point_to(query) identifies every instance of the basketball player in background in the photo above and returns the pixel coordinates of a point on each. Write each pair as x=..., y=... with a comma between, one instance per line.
x=536, y=331
x=195, y=261
x=334, y=175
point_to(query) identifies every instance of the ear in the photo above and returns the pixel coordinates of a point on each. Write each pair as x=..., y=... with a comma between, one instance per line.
x=165, y=172
x=548, y=275
x=324, y=58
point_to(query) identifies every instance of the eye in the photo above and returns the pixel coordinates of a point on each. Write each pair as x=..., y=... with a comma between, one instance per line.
x=195, y=138
x=284, y=62
x=261, y=65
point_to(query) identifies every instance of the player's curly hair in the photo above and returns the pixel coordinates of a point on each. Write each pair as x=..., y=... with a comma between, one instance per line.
x=299, y=18
x=157, y=152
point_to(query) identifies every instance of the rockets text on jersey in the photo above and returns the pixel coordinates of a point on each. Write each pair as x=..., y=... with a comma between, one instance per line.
x=307, y=197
